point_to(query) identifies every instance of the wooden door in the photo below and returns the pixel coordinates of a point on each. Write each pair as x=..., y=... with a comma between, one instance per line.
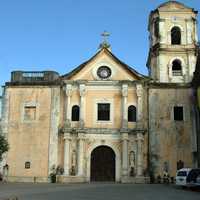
x=102, y=164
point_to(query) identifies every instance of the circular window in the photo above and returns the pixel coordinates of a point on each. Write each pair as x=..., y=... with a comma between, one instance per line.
x=104, y=72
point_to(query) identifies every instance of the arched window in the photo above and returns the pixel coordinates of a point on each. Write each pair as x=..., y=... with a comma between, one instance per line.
x=132, y=113
x=75, y=113
x=175, y=35
x=176, y=68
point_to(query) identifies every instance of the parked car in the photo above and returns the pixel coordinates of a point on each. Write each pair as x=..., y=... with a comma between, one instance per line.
x=181, y=176
x=198, y=180
x=188, y=177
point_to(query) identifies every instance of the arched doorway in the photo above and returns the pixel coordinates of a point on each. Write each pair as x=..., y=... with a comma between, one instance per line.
x=102, y=164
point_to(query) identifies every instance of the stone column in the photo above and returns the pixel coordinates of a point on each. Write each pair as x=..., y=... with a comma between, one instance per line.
x=82, y=104
x=124, y=106
x=67, y=140
x=139, y=91
x=189, y=29
x=80, y=154
x=68, y=91
x=125, y=154
x=140, y=140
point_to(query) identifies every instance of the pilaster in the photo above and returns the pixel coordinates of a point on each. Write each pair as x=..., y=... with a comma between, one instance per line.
x=54, y=124
x=139, y=91
x=68, y=92
x=82, y=91
x=140, y=139
x=124, y=105
x=189, y=28
x=67, y=141
x=81, y=140
x=125, y=154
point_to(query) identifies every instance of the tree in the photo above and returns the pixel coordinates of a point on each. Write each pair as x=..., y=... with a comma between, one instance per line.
x=3, y=146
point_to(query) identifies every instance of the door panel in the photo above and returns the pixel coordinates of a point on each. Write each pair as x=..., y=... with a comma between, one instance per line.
x=103, y=164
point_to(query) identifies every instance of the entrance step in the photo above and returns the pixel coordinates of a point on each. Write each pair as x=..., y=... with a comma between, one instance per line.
x=70, y=179
x=138, y=179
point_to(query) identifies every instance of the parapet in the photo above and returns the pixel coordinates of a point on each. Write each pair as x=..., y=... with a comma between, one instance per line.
x=34, y=77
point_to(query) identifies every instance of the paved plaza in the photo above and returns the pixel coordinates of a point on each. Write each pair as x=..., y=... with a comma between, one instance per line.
x=95, y=191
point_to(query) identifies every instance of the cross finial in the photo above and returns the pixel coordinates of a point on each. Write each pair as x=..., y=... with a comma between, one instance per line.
x=105, y=43
x=105, y=35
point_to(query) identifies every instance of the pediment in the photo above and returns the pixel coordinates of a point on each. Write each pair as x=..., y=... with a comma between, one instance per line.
x=89, y=70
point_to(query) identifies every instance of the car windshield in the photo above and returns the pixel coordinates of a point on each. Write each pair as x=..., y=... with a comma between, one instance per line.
x=193, y=174
x=182, y=173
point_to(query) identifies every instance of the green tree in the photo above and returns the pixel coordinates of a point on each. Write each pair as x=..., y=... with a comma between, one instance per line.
x=3, y=146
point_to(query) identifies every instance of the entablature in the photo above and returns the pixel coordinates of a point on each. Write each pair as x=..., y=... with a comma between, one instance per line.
x=101, y=131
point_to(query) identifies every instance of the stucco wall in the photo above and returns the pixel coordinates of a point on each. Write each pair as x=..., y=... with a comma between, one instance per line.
x=170, y=141
x=29, y=141
x=102, y=94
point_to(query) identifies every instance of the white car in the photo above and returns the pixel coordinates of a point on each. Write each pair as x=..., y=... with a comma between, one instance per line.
x=181, y=176
x=187, y=177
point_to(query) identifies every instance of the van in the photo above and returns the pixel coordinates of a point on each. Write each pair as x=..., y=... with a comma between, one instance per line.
x=187, y=177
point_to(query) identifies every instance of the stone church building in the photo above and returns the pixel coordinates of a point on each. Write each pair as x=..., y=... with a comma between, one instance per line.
x=104, y=121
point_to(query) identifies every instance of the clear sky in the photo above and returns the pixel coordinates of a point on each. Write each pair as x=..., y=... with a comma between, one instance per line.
x=61, y=34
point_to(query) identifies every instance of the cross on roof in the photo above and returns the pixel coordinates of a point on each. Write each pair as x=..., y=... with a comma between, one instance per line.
x=105, y=35
x=105, y=43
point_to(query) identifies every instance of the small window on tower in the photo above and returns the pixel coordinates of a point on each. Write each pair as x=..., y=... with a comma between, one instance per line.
x=27, y=165
x=30, y=113
x=176, y=68
x=178, y=113
x=175, y=36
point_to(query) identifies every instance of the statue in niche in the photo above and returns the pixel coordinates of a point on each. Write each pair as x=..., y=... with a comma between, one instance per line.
x=132, y=163
x=73, y=168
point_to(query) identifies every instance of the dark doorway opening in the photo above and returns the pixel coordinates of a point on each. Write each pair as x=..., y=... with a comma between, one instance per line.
x=102, y=164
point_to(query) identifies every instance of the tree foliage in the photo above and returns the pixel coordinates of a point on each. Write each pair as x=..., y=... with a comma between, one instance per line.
x=3, y=146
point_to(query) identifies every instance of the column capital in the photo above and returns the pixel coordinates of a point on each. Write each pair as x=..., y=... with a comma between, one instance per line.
x=81, y=135
x=67, y=136
x=82, y=90
x=140, y=136
x=124, y=90
x=68, y=90
x=124, y=136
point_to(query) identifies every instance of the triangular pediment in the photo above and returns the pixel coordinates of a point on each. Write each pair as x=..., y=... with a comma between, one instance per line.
x=89, y=69
x=173, y=6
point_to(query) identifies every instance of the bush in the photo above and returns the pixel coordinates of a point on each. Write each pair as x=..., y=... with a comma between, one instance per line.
x=3, y=146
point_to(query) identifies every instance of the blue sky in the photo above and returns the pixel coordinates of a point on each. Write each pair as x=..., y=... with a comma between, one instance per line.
x=61, y=34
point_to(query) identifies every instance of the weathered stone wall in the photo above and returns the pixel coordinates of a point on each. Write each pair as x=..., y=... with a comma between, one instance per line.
x=29, y=140
x=170, y=141
x=54, y=127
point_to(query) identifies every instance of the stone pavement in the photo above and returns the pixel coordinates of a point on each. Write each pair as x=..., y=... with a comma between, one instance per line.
x=95, y=191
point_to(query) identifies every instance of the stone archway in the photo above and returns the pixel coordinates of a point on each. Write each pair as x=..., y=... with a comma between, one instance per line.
x=102, y=164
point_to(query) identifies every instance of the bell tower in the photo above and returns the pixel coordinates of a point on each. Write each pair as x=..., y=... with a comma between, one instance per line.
x=173, y=43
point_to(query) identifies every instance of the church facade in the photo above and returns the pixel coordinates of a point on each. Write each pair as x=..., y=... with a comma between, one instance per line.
x=104, y=121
